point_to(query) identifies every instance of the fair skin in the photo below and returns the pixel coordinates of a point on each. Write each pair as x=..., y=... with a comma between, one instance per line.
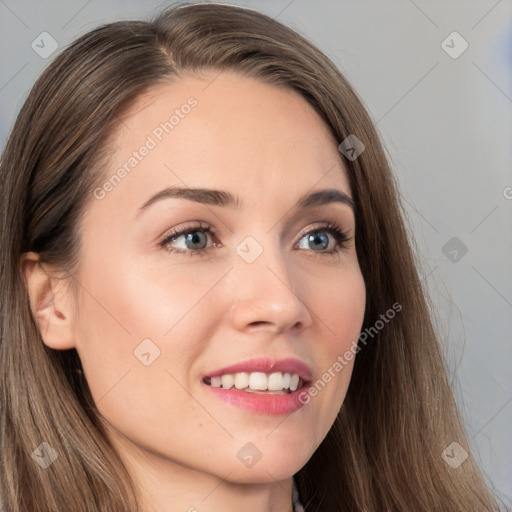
x=267, y=146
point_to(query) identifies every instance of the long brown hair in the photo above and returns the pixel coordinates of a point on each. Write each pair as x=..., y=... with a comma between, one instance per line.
x=383, y=452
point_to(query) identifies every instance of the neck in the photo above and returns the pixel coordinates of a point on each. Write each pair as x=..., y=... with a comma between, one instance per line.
x=207, y=492
x=165, y=486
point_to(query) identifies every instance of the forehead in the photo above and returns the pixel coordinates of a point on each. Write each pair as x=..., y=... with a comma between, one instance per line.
x=225, y=131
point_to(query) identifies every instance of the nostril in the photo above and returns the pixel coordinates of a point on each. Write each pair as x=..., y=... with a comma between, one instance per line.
x=258, y=323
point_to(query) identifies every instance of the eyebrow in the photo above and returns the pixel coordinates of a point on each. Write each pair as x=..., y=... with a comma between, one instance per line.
x=226, y=199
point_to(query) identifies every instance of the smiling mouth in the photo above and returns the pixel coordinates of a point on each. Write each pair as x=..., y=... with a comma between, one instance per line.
x=275, y=383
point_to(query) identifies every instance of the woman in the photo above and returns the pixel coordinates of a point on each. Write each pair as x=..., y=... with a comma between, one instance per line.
x=210, y=301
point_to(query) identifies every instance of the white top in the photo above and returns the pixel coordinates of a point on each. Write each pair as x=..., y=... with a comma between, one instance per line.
x=297, y=505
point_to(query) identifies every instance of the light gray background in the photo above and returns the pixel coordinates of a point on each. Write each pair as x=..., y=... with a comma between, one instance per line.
x=446, y=123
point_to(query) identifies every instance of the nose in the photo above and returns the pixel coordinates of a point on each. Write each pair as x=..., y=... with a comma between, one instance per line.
x=267, y=296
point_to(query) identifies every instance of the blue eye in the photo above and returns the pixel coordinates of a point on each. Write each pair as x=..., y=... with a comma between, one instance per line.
x=191, y=240
x=318, y=240
x=194, y=239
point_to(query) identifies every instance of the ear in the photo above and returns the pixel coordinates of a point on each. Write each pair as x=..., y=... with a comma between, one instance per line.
x=50, y=302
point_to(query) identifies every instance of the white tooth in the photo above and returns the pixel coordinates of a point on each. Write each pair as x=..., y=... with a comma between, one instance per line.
x=241, y=380
x=258, y=380
x=275, y=381
x=227, y=381
x=215, y=382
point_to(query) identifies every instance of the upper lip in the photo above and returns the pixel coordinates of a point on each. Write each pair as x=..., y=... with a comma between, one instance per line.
x=267, y=365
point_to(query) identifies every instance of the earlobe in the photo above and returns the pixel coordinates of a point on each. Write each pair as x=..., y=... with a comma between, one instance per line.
x=50, y=302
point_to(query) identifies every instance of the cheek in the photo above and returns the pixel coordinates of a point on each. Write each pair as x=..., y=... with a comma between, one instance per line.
x=130, y=311
x=137, y=338
x=339, y=306
x=339, y=311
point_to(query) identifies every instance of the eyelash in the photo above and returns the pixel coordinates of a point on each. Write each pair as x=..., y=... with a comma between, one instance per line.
x=333, y=229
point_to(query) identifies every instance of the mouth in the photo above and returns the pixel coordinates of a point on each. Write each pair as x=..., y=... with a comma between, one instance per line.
x=276, y=383
x=262, y=385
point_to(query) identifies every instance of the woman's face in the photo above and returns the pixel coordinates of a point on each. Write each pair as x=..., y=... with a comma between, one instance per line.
x=176, y=288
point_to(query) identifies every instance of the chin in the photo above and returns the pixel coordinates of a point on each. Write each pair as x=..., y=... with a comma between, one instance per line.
x=267, y=469
x=264, y=474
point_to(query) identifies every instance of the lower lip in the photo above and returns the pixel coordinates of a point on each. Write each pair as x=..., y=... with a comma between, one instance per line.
x=259, y=402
